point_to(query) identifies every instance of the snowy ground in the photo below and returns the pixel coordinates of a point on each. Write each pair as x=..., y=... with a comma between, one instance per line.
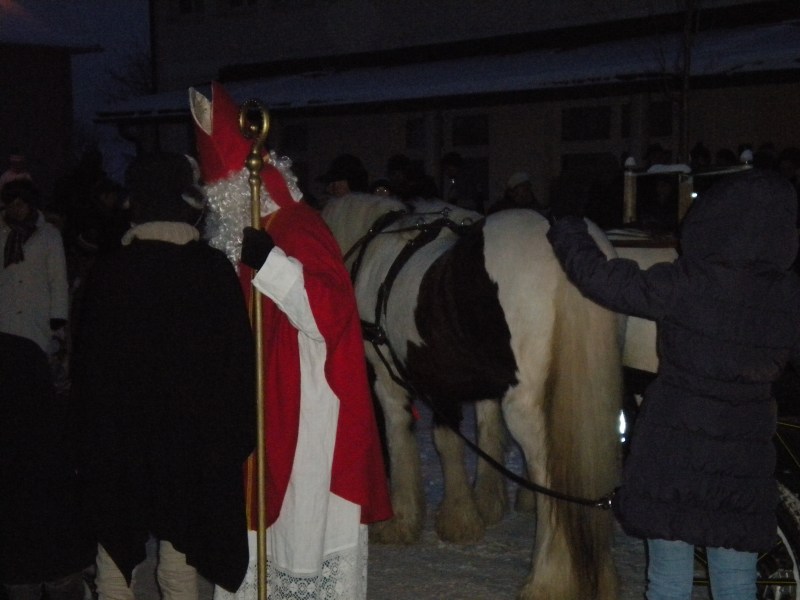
x=493, y=569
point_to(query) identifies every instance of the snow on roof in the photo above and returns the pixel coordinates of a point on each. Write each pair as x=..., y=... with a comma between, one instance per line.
x=756, y=49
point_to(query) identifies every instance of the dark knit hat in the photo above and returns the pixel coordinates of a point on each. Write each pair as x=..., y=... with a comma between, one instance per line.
x=349, y=168
x=165, y=186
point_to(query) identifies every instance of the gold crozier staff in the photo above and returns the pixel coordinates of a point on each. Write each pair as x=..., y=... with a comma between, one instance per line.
x=257, y=129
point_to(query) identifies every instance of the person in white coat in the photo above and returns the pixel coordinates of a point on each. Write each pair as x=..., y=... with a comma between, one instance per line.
x=44, y=546
x=34, y=293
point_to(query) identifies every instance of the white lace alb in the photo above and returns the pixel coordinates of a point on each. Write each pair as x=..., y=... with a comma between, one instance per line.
x=343, y=576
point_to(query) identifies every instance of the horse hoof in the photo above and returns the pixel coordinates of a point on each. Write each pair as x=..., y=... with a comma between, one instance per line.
x=555, y=585
x=460, y=523
x=395, y=531
x=464, y=533
x=535, y=592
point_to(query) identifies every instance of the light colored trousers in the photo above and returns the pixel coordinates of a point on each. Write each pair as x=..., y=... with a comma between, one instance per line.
x=176, y=579
x=671, y=569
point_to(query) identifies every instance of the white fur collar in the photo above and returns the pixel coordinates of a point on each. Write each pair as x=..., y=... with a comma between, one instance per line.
x=173, y=232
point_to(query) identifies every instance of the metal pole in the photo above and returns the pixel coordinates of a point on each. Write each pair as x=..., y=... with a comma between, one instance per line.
x=257, y=131
x=629, y=197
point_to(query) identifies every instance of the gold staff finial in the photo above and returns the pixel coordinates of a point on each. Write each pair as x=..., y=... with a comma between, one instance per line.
x=254, y=124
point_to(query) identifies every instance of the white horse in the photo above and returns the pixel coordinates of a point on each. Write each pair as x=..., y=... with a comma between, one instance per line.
x=458, y=309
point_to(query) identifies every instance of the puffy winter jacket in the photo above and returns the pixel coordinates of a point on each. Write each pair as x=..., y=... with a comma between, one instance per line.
x=728, y=317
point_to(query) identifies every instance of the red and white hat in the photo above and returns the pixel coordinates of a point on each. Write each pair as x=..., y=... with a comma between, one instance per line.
x=223, y=150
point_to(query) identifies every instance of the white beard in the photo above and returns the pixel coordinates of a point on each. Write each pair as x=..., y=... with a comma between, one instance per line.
x=229, y=207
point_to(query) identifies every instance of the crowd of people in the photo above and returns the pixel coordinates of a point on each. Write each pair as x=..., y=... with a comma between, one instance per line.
x=148, y=432
x=406, y=179
x=599, y=199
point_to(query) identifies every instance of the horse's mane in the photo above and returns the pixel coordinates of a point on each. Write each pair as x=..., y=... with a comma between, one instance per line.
x=351, y=216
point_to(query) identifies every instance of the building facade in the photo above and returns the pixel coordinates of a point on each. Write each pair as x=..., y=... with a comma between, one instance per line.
x=563, y=90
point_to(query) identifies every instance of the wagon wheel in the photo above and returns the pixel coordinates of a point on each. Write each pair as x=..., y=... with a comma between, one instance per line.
x=778, y=571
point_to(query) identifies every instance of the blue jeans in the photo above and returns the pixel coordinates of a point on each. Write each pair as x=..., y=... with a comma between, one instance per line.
x=670, y=570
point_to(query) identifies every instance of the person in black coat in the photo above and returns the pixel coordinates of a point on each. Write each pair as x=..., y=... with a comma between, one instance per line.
x=163, y=380
x=700, y=469
x=44, y=543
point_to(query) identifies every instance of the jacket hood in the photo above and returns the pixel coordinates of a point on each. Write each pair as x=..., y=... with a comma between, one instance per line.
x=746, y=220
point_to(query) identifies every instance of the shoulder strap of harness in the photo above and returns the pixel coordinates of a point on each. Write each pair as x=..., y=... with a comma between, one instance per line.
x=377, y=227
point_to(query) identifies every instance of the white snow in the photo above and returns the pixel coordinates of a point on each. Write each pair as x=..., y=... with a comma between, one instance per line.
x=493, y=569
x=761, y=48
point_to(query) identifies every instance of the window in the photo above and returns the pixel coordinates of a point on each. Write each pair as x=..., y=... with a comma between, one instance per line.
x=470, y=130
x=588, y=162
x=415, y=134
x=659, y=119
x=625, y=121
x=588, y=180
x=586, y=123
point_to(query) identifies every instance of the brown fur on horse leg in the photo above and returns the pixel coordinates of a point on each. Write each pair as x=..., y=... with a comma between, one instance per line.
x=407, y=492
x=491, y=494
x=552, y=573
x=457, y=519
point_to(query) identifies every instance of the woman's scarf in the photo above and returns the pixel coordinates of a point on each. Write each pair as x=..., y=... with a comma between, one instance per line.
x=20, y=232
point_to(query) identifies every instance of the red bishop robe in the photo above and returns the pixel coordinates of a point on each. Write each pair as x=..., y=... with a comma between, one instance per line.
x=358, y=474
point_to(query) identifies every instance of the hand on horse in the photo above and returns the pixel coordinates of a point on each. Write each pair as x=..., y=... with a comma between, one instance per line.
x=564, y=231
x=256, y=246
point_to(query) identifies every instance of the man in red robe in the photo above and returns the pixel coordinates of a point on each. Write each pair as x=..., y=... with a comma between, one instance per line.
x=325, y=475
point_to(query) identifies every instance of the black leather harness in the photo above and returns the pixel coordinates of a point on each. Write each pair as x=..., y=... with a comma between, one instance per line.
x=373, y=332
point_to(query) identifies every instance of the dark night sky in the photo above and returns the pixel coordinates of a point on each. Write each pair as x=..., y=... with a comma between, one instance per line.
x=120, y=27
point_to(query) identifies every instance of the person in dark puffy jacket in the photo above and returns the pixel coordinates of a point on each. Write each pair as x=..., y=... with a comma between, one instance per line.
x=700, y=469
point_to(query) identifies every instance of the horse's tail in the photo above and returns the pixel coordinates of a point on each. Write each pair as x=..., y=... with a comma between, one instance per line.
x=584, y=388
